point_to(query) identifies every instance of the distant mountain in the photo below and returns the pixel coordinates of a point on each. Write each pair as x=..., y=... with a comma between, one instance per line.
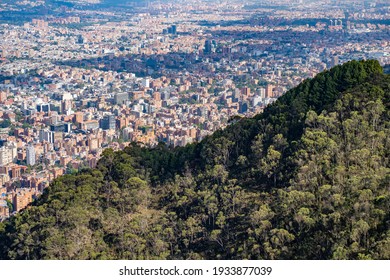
x=87, y=2
x=307, y=179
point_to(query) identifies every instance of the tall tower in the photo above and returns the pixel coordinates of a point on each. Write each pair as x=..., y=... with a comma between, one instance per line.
x=269, y=91
x=30, y=155
x=208, y=46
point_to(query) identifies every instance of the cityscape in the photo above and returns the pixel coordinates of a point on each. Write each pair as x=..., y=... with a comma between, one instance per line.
x=78, y=77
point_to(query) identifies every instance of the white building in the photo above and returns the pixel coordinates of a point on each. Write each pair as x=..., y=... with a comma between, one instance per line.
x=8, y=153
x=30, y=155
x=46, y=135
x=146, y=83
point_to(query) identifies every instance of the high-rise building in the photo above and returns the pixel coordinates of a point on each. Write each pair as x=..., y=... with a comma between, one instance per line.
x=40, y=23
x=335, y=61
x=246, y=91
x=5, y=156
x=89, y=125
x=262, y=93
x=43, y=107
x=80, y=39
x=256, y=100
x=243, y=107
x=22, y=198
x=108, y=122
x=121, y=98
x=269, y=91
x=61, y=127
x=46, y=136
x=156, y=96
x=66, y=105
x=174, y=29
x=146, y=83
x=8, y=152
x=30, y=155
x=3, y=96
x=165, y=95
x=78, y=117
x=208, y=46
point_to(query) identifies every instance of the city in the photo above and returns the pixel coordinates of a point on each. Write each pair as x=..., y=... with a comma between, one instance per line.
x=85, y=76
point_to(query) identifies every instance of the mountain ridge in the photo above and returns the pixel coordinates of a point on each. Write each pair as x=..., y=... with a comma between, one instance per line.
x=306, y=179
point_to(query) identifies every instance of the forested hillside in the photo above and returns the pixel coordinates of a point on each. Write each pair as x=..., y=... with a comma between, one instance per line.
x=307, y=179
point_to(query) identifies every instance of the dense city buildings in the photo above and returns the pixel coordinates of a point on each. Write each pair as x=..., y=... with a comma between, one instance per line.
x=87, y=76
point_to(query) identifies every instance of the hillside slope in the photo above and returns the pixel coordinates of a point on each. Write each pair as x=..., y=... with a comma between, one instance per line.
x=307, y=179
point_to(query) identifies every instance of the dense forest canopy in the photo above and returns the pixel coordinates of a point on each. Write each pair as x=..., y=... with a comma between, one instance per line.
x=307, y=179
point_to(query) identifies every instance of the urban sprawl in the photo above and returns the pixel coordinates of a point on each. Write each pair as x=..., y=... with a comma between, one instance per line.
x=85, y=77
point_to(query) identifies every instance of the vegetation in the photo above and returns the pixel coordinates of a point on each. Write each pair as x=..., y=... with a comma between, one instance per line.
x=307, y=179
